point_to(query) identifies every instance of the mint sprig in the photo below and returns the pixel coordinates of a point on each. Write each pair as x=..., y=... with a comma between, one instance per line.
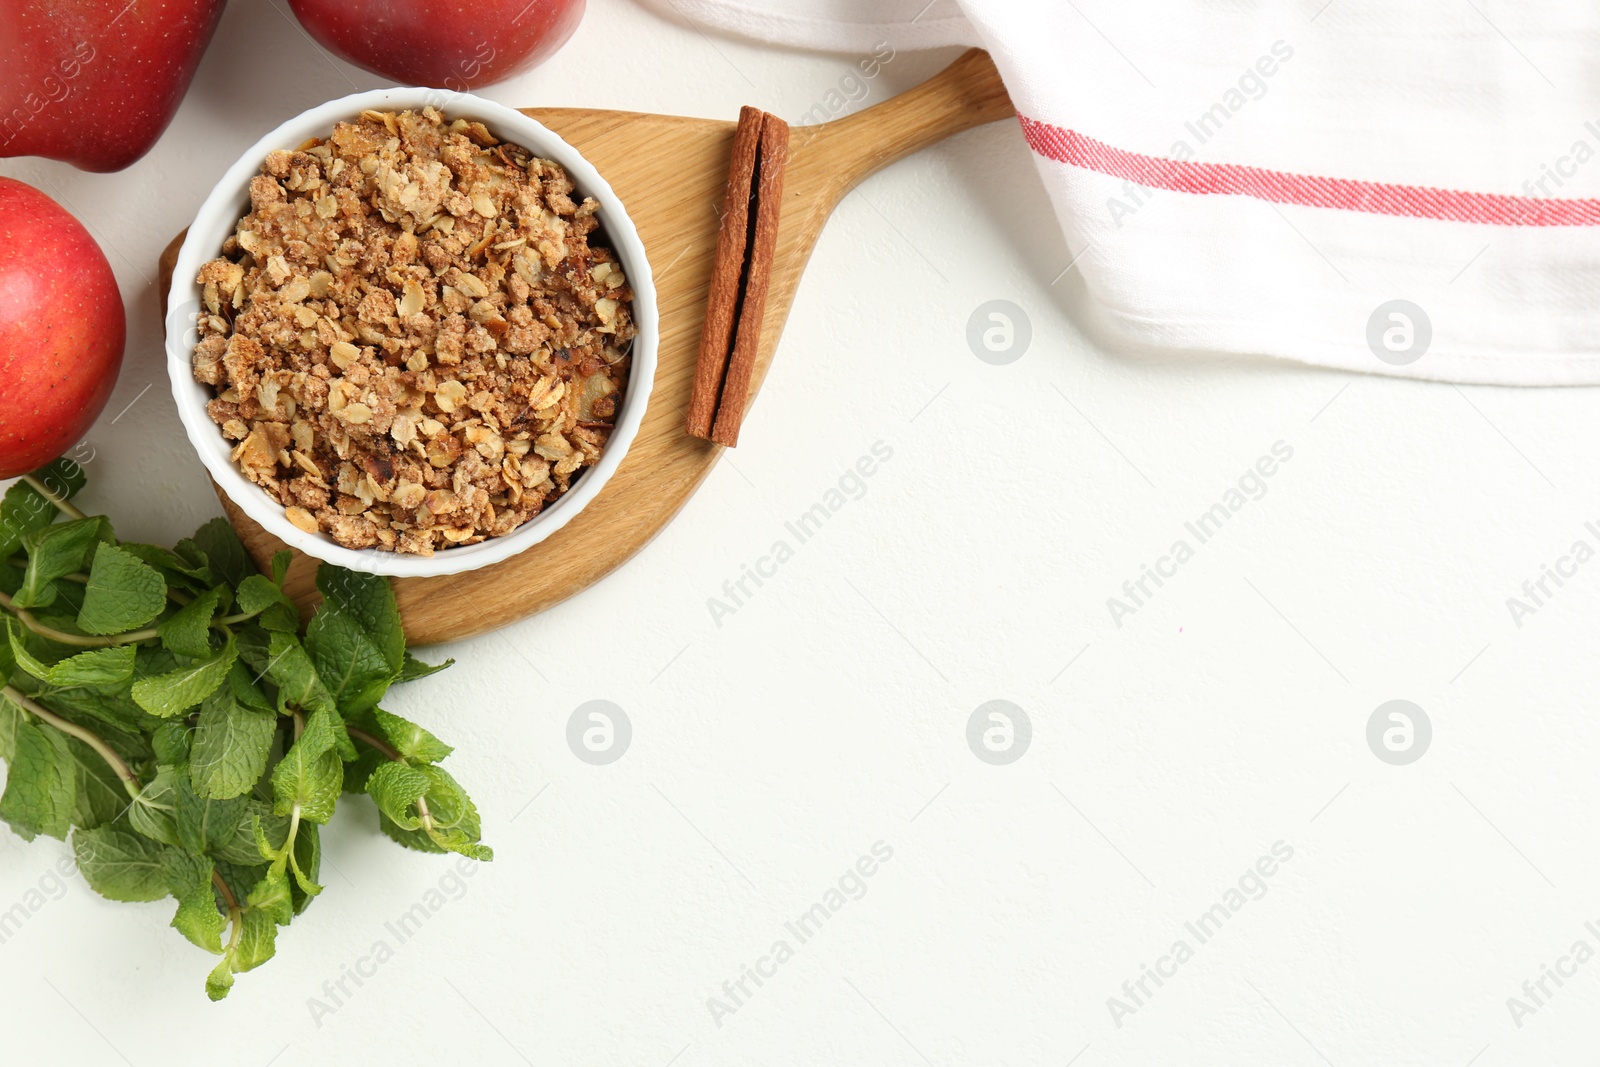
x=166, y=709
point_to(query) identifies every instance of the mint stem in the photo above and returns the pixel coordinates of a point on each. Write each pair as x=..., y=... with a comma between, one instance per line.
x=227, y=894
x=234, y=912
x=388, y=750
x=62, y=504
x=130, y=781
x=77, y=640
x=287, y=850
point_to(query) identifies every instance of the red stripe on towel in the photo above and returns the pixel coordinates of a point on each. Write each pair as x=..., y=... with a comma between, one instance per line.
x=1232, y=179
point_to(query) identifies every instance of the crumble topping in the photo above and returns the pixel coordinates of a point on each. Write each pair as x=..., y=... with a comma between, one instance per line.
x=410, y=336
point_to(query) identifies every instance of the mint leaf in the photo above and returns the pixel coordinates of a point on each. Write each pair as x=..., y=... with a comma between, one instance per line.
x=8, y=662
x=166, y=695
x=186, y=568
x=412, y=839
x=259, y=596
x=24, y=509
x=224, y=551
x=98, y=666
x=188, y=633
x=280, y=566
x=107, y=711
x=41, y=783
x=170, y=741
x=205, y=824
x=310, y=776
x=53, y=552
x=119, y=865
x=327, y=728
x=10, y=719
x=306, y=863
x=198, y=917
x=313, y=785
x=154, y=812
x=22, y=512
x=348, y=662
x=194, y=559
x=123, y=593
x=290, y=669
x=258, y=940
x=455, y=826
x=244, y=687
x=439, y=842
x=413, y=668
x=184, y=870
x=239, y=877
x=254, y=944
x=230, y=747
x=100, y=797
x=151, y=660
x=220, y=980
x=463, y=843
x=396, y=788
x=264, y=846
x=258, y=824
x=271, y=895
x=369, y=599
x=355, y=639
x=254, y=643
x=17, y=652
x=300, y=688
x=452, y=825
x=410, y=740
x=256, y=593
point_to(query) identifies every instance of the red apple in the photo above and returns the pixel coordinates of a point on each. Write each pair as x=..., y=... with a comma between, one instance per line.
x=61, y=329
x=94, y=82
x=449, y=44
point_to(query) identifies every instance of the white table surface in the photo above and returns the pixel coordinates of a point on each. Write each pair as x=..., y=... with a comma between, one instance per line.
x=829, y=711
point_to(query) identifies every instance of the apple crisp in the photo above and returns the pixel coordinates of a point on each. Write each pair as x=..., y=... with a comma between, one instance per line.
x=410, y=335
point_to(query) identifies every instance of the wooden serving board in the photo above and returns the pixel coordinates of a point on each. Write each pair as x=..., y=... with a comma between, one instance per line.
x=670, y=173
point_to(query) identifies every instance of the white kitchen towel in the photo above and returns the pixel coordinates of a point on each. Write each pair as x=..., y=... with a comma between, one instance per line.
x=1403, y=188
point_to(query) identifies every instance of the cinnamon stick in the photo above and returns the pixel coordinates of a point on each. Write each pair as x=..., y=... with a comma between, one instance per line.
x=771, y=162
x=727, y=274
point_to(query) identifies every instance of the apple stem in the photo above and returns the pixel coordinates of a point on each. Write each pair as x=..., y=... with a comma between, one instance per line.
x=61, y=503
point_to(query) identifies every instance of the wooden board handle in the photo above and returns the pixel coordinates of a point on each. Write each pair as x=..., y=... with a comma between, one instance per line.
x=965, y=94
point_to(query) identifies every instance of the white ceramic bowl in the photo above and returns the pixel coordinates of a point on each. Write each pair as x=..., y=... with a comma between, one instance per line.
x=230, y=201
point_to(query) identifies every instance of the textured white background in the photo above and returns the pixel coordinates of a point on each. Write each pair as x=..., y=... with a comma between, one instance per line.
x=829, y=712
